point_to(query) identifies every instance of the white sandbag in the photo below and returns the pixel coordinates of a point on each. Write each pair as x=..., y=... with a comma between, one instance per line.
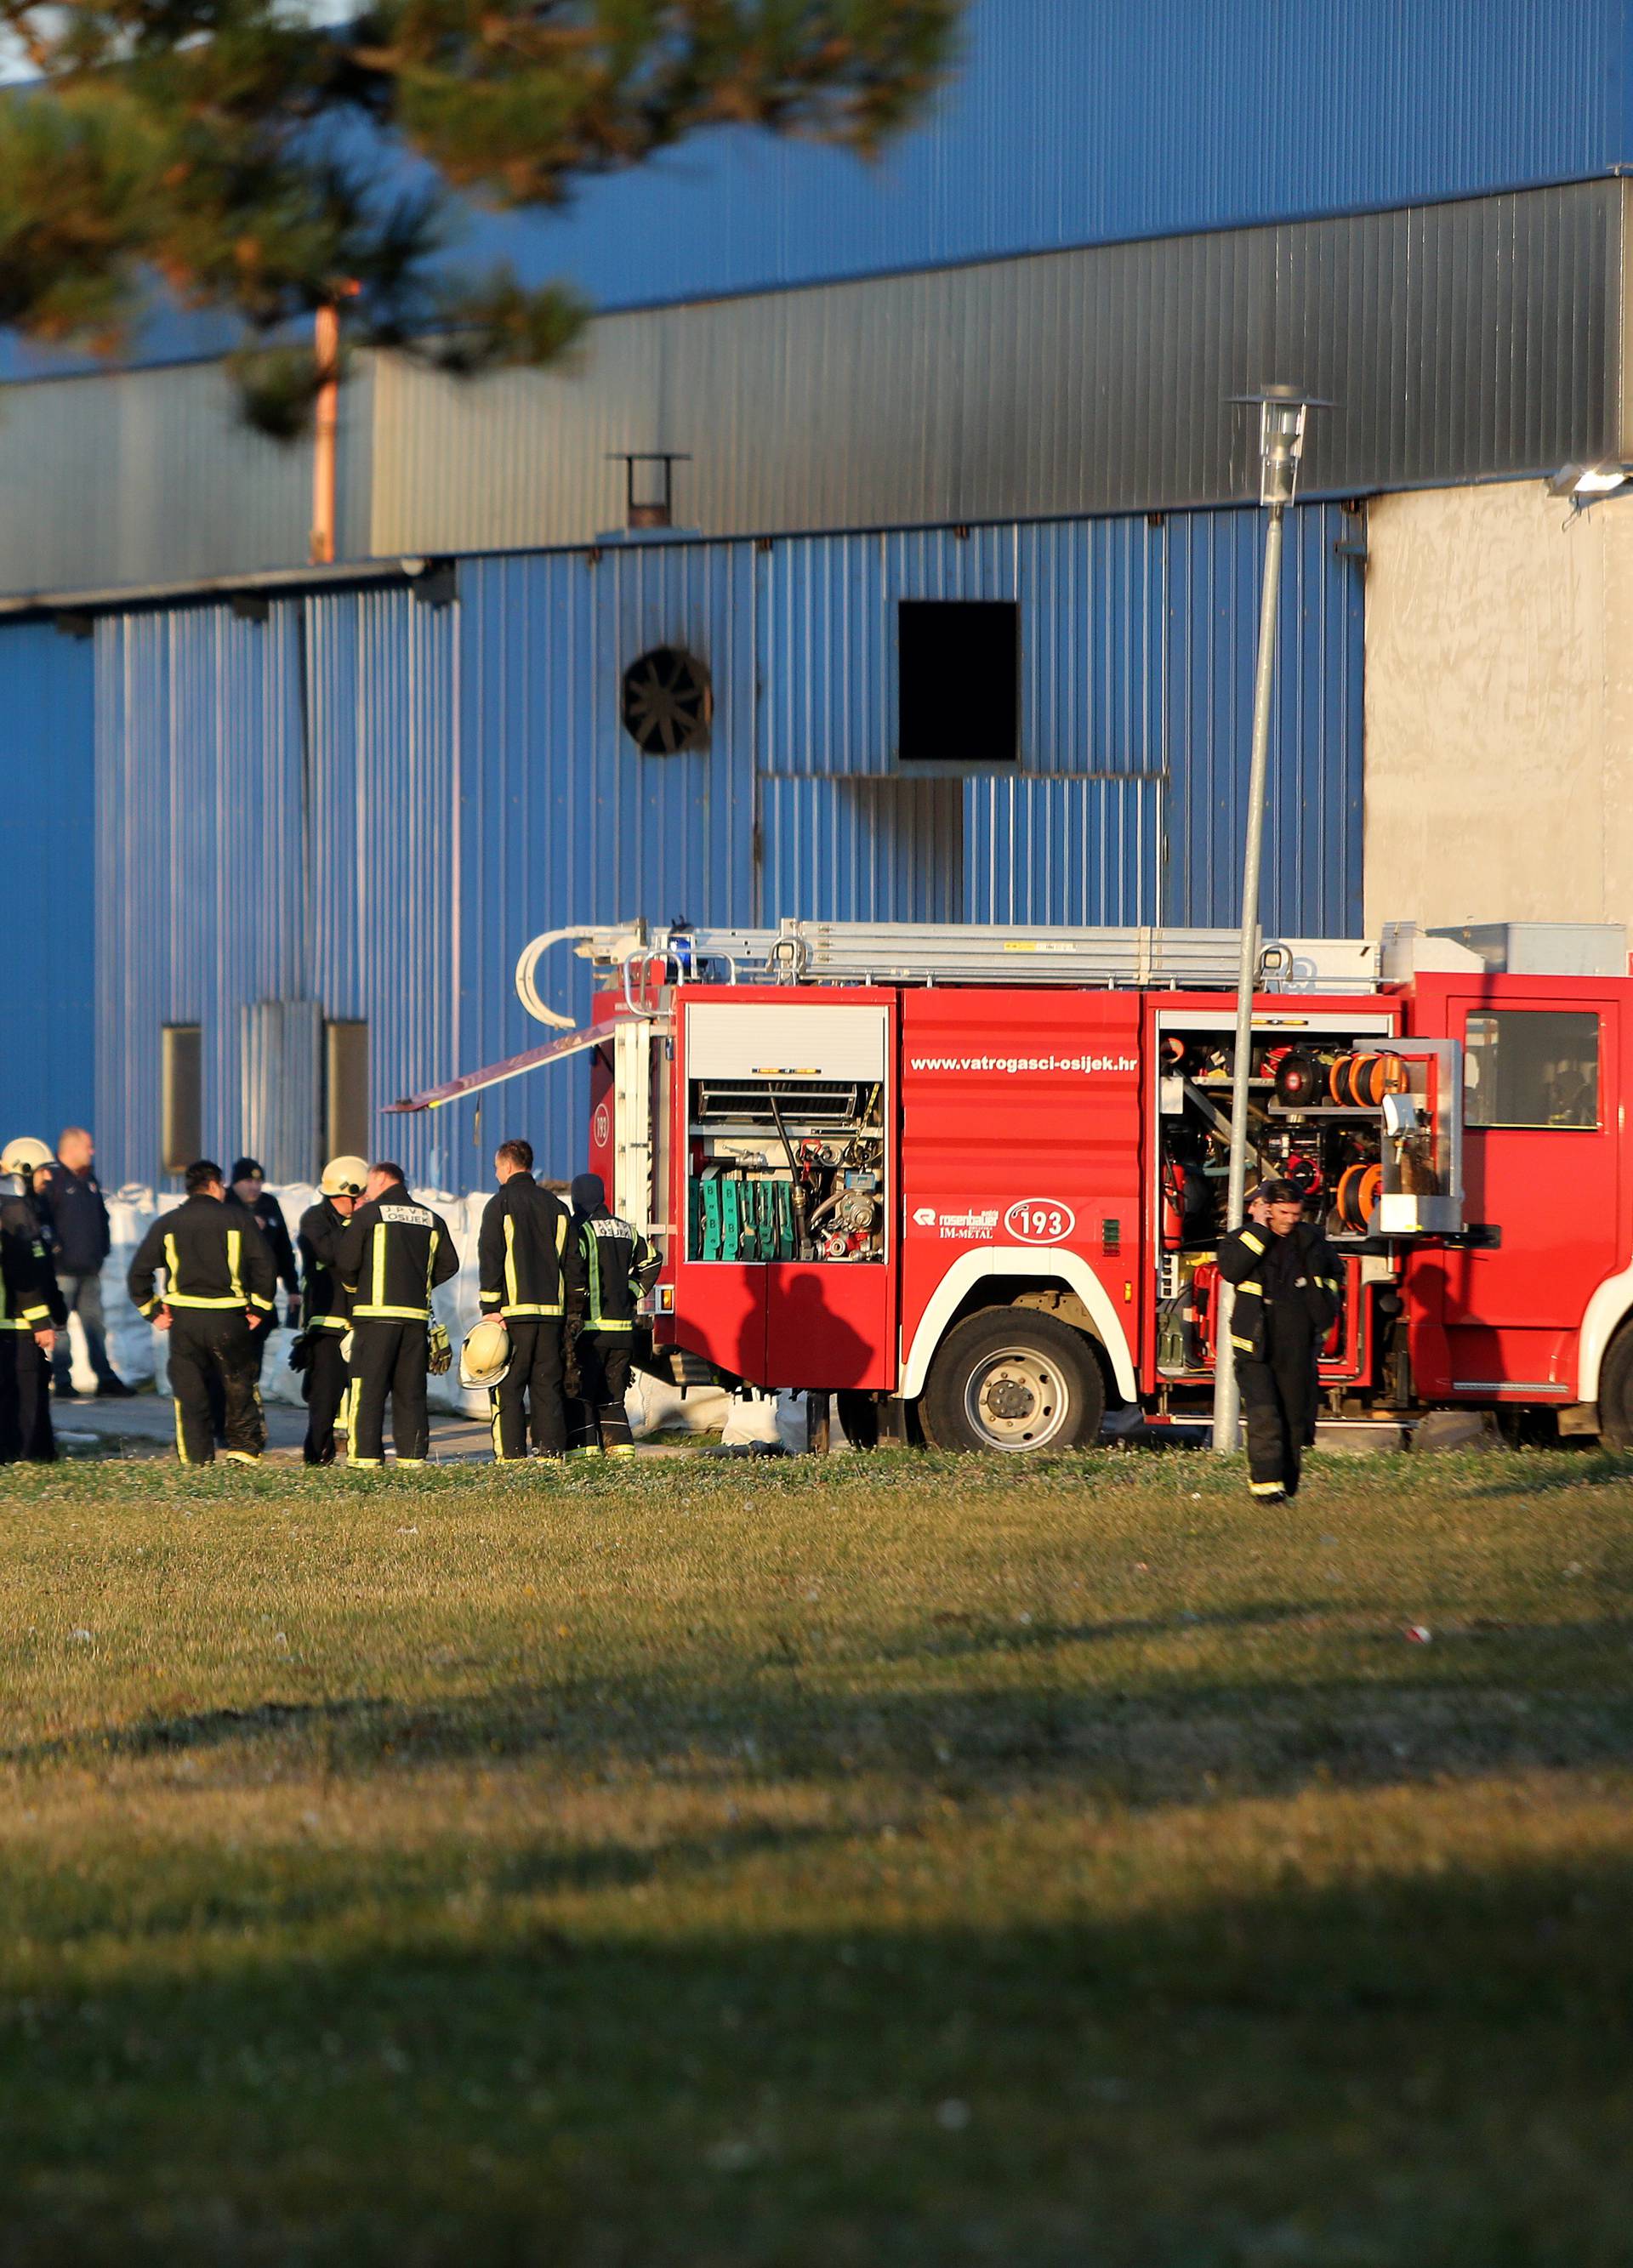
x=750, y=1420
x=793, y=1412
x=654, y=1406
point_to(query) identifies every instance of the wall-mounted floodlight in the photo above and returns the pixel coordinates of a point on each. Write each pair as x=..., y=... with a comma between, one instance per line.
x=1587, y=484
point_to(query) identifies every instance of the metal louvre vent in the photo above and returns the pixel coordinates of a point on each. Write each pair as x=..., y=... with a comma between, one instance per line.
x=668, y=702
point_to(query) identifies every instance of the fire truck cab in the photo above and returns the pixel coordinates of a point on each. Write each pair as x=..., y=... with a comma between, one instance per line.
x=976, y=1176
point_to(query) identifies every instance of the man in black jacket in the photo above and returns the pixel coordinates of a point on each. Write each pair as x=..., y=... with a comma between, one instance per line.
x=249, y=1190
x=522, y=1252
x=219, y=1289
x=31, y=1314
x=616, y=1265
x=1286, y=1295
x=325, y=1310
x=393, y=1255
x=75, y=1214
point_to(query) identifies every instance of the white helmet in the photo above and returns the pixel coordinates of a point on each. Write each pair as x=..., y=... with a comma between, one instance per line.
x=23, y=1156
x=485, y=1359
x=343, y=1177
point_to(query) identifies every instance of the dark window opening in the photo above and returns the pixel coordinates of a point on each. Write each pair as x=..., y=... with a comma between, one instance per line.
x=959, y=681
x=180, y=1096
x=1532, y=1067
x=345, y=1090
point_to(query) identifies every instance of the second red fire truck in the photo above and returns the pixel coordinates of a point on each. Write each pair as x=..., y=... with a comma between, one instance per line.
x=974, y=1177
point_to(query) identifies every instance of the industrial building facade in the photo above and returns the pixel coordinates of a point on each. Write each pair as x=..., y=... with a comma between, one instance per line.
x=965, y=594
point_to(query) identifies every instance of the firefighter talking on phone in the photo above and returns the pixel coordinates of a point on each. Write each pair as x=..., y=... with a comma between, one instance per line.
x=1286, y=1278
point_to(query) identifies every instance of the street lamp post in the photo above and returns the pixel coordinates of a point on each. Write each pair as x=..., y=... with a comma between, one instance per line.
x=1282, y=412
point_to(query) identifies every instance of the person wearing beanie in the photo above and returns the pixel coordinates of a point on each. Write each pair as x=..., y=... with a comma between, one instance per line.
x=616, y=1266
x=248, y=1189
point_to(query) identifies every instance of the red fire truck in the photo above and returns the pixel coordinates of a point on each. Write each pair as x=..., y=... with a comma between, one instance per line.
x=975, y=1177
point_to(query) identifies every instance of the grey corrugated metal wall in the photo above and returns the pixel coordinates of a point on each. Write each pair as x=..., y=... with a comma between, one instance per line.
x=1458, y=342
x=366, y=805
x=151, y=477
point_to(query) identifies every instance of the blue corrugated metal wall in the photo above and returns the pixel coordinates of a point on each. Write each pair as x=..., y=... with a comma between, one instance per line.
x=200, y=828
x=370, y=803
x=1090, y=122
x=1093, y=122
x=47, y=1069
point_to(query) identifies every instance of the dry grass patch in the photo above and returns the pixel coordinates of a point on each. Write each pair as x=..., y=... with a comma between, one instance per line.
x=899, y=1860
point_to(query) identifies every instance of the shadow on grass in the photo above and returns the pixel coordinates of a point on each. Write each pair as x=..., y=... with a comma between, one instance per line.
x=1549, y=1471
x=1158, y=1738
x=1414, y=2069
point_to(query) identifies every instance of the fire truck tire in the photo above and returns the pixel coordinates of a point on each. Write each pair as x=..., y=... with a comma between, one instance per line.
x=1013, y=1380
x=1615, y=1392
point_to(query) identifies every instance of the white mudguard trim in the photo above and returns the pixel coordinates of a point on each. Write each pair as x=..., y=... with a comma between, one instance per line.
x=1018, y=1260
x=1604, y=1312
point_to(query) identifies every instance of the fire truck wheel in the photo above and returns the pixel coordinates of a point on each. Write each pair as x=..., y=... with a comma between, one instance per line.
x=1615, y=1392
x=1011, y=1379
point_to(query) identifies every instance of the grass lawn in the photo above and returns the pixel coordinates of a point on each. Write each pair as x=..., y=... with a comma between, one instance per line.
x=897, y=1863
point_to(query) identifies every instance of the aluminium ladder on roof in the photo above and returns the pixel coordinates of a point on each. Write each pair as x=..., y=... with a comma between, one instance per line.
x=937, y=952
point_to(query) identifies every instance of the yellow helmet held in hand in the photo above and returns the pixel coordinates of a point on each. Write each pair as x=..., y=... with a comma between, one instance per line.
x=485, y=1359
x=24, y=1156
x=343, y=1177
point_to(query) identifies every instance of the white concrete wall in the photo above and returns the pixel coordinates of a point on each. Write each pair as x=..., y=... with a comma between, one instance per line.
x=1499, y=708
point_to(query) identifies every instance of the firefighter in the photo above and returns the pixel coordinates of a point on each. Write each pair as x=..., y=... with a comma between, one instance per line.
x=1286, y=1278
x=325, y=1310
x=248, y=1188
x=31, y=1312
x=523, y=1251
x=219, y=1289
x=616, y=1265
x=393, y=1254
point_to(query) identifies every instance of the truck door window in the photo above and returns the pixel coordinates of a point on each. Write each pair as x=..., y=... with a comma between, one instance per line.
x=1531, y=1067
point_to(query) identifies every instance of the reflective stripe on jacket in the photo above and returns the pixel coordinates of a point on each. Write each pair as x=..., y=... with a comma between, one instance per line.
x=324, y=1302
x=1300, y=1280
x=618, y=1265
x=29, y=1297
x=523, y=1252
x=212, y=1256
x=393, y=1255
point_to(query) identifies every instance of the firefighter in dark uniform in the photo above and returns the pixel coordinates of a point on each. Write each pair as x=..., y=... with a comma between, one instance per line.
x=617, y=1265
x=31, y=1312
x=1286, y=1295
x=523, y=1253
x=393, y=1255
x=218, y=1295
x=248, y=1189
x=325, y=1310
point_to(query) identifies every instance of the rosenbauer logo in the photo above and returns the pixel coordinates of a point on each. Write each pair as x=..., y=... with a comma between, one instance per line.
x=1081, y=1063
x=1039, y=1220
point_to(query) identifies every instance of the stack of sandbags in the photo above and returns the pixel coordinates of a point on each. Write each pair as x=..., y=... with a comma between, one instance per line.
x=137, y=1350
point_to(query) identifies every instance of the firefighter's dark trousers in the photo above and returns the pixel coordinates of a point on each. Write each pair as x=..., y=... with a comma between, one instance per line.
x=212, y=1361
x=389, y=1357
x=598, y=1419
x=25, y=1401
x=324, y=1390
x=1279, y=1400
x=529, y=1394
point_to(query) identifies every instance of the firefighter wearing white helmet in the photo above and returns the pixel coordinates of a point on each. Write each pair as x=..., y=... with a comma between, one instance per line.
x=31, y=1312
x=325, y=1310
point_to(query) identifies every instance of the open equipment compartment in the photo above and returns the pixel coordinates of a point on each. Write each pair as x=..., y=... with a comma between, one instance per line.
x=1366, y=1124
x=787, y=1147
